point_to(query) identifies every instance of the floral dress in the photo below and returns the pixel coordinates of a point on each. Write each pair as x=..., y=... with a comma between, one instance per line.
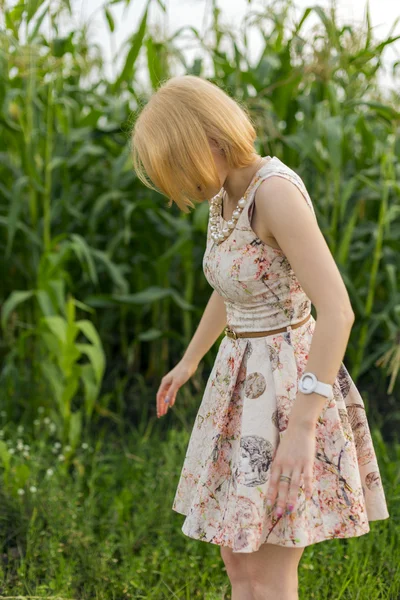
x=246, y=407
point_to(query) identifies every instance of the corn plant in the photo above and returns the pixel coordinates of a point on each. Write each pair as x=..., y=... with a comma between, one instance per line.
x=66, y=176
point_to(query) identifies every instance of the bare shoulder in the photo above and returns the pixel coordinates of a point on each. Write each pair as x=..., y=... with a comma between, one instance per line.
x=258, y=220
x=278, y=195
x=284, y=204
x=284, y=194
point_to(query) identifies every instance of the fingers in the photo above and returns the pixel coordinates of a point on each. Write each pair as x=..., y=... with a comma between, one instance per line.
x=166, y=391
x=284, y=491
x=273, y=483
x=293, y=488
x=171, y=383
x=282, y=487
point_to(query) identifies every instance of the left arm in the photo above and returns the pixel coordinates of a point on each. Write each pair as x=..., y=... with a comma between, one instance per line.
x=282, y=206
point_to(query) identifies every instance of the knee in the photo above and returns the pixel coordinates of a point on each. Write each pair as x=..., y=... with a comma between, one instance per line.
x=234, y=564
x=280, y=586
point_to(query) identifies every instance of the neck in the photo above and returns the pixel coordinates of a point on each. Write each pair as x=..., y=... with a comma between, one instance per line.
x=238, y=180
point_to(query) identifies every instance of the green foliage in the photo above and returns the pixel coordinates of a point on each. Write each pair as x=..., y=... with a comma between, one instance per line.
x=97, y=522
x=79, y=236
x=54, y=331
x=76, y=223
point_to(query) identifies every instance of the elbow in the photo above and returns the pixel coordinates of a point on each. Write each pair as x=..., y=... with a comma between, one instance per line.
x=348, y=313
x=343, y=312
x=350, y=318
x=347, y=317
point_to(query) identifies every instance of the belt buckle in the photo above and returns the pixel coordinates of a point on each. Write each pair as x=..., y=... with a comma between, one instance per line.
x=230, y=333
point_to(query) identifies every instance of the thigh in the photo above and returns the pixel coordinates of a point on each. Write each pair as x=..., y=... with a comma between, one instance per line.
x=235, y=563
x=270, y=559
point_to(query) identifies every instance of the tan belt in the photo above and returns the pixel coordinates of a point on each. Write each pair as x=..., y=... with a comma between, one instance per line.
x=233, y=334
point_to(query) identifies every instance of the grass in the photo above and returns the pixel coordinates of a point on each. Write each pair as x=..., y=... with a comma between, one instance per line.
x=99, y=526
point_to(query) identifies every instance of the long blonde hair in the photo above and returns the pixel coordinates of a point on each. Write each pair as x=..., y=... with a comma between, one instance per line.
x=169, y=140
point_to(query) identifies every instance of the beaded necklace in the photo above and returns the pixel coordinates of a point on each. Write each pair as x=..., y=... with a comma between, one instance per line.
x=219, y=234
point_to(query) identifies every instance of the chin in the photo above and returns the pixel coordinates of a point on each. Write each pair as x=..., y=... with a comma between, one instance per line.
x=211, y=195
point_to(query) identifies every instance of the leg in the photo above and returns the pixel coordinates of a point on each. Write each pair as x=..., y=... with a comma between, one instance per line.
x=272, y=572
x=235, y=564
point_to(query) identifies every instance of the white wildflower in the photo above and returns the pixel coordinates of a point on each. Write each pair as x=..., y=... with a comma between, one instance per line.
x=61, y=457
x=49, y=472
x=21, y=492
x=33, y=489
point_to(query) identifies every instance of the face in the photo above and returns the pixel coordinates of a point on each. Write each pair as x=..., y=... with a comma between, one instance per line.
x=221, y=166
x=220, y=161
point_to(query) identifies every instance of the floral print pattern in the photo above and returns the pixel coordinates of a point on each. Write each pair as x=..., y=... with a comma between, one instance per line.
x=246, y=407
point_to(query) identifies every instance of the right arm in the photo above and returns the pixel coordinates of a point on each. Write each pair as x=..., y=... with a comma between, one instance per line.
x=208, y=331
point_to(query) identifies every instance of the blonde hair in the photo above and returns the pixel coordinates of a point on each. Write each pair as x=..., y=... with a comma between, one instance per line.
x=170, y=138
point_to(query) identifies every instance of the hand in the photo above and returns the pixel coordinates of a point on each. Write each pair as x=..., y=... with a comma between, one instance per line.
x=170, y=384
x=294, y=457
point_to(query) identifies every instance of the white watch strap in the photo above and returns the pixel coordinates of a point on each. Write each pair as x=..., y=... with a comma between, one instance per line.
x=325, y=389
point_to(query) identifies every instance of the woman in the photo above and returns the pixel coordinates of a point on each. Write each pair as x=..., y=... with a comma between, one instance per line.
x=280, y=456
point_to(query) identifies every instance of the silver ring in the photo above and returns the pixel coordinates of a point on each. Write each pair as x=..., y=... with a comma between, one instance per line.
x=285, y=478
x=166, y=399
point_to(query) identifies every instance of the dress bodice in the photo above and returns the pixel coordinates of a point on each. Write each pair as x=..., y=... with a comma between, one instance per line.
x=256, y=280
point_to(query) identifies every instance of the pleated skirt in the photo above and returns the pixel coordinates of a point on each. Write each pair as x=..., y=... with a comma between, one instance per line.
x=242, y=417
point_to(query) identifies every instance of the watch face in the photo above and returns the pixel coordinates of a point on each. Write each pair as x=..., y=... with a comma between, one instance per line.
x=308, y=382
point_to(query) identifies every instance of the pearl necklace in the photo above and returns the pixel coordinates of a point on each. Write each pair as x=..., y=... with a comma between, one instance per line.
x=219, y=234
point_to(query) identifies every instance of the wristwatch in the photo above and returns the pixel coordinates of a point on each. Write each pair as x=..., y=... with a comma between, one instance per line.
x=308, y=383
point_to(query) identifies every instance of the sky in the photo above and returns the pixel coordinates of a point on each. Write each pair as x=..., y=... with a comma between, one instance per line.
x=197, y=13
